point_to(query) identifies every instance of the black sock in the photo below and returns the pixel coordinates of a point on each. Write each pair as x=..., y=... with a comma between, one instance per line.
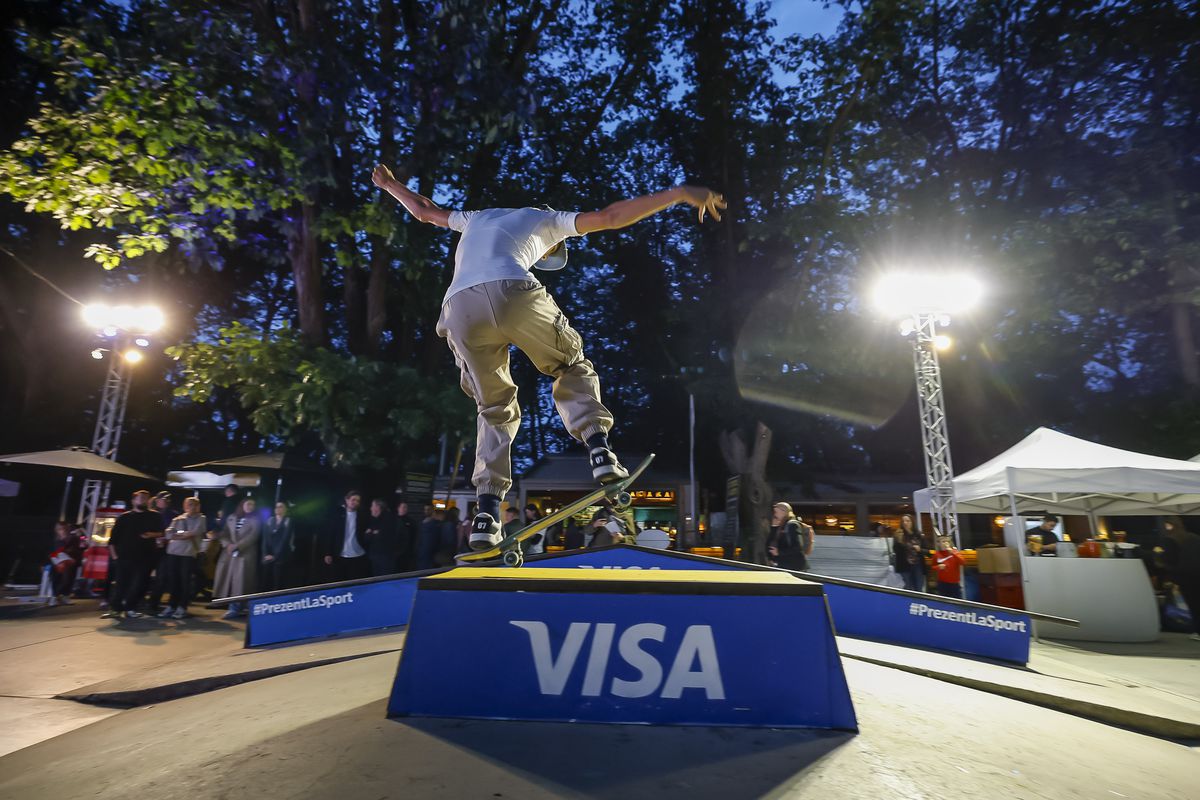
x=489, y=504
x=597, y=440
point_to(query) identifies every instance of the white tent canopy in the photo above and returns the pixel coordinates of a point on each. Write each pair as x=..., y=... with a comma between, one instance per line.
x=1051, y=471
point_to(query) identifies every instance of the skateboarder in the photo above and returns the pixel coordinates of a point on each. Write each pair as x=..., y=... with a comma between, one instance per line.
x=494, y=301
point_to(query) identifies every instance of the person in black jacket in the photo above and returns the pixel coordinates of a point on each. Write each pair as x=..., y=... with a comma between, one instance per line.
x=132, y=549
x=573, y=536
x=1178, y=552
x=382, y=539
x=345, y=543
x=429, y=537
x=909, y=555
x=790, y=541
x=406, y=539
x=278, y=545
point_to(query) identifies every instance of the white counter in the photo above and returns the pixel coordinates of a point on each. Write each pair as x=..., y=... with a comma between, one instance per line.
x=1111, y=597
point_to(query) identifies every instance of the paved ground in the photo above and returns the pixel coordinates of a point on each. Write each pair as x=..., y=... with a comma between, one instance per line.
x=1172, y=664
x=1117, y=689
x=321, y=733
x=69, y=652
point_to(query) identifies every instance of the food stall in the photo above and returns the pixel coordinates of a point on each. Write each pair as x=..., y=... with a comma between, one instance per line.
x=1052, y=472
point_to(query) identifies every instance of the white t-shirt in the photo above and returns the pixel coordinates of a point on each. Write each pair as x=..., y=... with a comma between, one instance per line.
x=504, y=243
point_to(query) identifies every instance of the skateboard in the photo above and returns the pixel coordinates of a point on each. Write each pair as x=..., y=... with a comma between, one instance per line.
x=509, y=548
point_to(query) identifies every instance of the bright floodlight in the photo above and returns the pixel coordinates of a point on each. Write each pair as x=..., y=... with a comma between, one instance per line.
x=943, y=342
x=902, y=294
x=134, y=319
x=133, y=356
x=97, y=354
x=96, y=315
x=147, y=319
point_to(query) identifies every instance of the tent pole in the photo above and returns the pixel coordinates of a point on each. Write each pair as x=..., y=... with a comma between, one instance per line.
x=1019, y=535
x=62, y=508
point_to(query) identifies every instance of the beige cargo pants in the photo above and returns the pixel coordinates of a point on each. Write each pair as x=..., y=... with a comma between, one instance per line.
x=479, y=324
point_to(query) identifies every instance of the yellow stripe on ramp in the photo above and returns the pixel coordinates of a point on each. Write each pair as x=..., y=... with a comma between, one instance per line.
x=621, y=575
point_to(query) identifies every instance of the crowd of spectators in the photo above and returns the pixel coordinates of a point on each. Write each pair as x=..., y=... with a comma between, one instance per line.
x=160, y=559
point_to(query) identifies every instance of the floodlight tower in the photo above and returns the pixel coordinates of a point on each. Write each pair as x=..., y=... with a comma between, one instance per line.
x=126, y=329
x=923, y=302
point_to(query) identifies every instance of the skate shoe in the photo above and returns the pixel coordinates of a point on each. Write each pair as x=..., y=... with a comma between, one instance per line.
x=605, y=467
x=485, y=532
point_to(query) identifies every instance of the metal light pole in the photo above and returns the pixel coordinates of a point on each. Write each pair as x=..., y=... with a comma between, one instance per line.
x=692, y=532
x=923, y=302
x=935, y=439
x=123, y=326
x=106, y=438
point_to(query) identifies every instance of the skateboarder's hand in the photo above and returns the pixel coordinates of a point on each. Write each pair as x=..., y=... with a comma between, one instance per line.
x=705, y=200
x=382, y=176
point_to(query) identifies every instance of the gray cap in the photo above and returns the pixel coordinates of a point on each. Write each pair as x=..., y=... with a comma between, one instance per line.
x=555, y=261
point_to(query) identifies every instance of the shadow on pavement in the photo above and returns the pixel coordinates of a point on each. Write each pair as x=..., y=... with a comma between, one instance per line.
x=1168, y=645
x=153, y=631
x=639, y=760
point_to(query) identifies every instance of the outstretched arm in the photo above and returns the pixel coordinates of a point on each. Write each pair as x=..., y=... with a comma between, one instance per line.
x=624, y=213
x=418, y=205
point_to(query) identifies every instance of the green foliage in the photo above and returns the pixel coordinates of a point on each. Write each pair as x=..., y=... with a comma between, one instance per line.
x=139, y=148
x=1053, y=146
x=367, y=413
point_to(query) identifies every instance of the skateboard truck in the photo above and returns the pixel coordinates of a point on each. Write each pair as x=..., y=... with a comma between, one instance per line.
x=509, y=548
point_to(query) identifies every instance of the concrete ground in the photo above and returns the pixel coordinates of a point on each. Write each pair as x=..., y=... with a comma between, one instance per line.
x=1171, y=664
x=1141, y=692
x=51, y=659
x=321, y=733
x=311, y=724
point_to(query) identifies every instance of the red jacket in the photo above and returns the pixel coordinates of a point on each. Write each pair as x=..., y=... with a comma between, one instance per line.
x=947, y=565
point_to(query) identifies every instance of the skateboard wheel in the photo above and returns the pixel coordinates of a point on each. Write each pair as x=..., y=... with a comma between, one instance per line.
x=622, y=501
x=513, y=558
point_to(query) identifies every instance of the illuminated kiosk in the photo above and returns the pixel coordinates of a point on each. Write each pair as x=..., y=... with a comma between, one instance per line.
x=670, y=647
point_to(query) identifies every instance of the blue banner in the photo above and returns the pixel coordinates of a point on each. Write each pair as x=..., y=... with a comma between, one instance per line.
x=900, y=618
x=923, y=620
x=690, y=659
x=926, y=621
x=326, y=612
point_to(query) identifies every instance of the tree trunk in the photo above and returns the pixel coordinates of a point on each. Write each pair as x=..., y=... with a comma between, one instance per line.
x=754, y=501
x=303, y=246
x=380, y=263
x=354, y=299
x=306, y=275
x=1185, y=343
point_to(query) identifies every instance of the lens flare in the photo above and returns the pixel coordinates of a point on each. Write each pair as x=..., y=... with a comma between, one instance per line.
x=822, y=361
x=901, y=294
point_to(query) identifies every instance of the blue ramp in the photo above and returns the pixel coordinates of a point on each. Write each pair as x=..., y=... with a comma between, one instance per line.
x=661, y=647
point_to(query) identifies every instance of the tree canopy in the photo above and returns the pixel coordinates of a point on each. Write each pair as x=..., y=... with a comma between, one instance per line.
x=222, y=153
